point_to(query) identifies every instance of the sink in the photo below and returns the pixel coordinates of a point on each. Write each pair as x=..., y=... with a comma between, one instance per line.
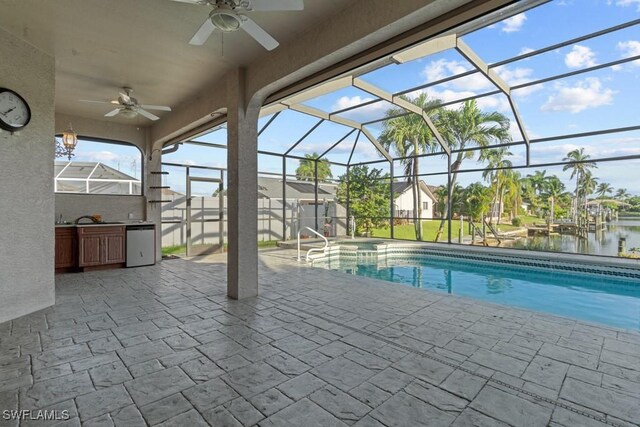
x=100, y=223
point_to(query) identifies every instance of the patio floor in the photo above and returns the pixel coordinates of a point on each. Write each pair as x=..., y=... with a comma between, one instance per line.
x=163, y=345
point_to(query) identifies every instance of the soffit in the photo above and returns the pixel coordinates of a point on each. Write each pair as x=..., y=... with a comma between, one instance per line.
x=103, y=45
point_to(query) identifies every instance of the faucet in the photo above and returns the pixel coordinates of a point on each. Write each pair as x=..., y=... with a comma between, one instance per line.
x=86, y=216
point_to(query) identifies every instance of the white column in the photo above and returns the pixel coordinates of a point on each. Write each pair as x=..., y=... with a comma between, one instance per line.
x=242, y=192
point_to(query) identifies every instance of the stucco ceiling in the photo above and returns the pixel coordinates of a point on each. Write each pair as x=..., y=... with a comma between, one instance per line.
x=102, y=45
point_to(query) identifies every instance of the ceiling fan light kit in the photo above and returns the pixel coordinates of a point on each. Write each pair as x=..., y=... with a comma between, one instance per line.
x=226, y=20
x=129, y=107
x=229, y=16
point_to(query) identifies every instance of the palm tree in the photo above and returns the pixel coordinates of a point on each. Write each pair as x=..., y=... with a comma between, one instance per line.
x=476, y=200
x=467, y=126
x=306, y=171
x=579, y=165
x=496, y=175
x=603, y=190
x=513, y=183
x=538, y=180
x=409, y=136
x=588, y=185
x=554, y=189
x=622, y=194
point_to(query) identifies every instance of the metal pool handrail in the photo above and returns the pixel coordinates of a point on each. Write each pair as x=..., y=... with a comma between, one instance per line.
x=326, y=243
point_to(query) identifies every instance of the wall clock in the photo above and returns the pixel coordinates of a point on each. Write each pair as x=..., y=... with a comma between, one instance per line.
x=15, y=113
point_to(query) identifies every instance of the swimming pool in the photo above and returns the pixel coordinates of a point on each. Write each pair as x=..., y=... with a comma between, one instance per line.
x=599, y=298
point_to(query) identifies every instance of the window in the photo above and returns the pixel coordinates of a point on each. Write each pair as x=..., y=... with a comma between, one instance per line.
x=99, y=167
x=425, y=206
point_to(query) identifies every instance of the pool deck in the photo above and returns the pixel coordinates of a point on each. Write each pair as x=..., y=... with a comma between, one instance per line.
x=163, y=345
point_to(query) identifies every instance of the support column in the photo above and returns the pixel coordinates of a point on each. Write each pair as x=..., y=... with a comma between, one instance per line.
x=242, y=191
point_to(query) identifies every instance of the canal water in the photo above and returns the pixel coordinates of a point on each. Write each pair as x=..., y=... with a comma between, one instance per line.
x=601, y=243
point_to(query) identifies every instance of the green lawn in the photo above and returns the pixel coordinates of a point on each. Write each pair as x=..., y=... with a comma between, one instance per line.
x=174, y=250
x=430, y=229
x=408, y=232
x=182, y=249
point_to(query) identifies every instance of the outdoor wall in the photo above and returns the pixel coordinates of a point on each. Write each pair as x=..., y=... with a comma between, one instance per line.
x=404, y=202
x=174, y=216
x=26, y=174
x=111, y=207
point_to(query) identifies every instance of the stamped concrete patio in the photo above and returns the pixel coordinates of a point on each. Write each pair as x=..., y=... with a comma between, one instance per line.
x=163, y=345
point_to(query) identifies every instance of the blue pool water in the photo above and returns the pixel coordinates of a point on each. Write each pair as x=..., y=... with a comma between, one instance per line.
x=594, y=298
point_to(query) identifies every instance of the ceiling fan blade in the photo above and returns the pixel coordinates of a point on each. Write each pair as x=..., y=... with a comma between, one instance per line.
x=203, y=33
x=147, y=114
x=156, y=107
x=276, y=5
x=126, y=98
x=94, y=102
x=203, y=2
x=261, y=36
x=112, y=113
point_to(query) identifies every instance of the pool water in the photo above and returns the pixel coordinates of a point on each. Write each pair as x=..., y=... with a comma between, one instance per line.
x=595, y=298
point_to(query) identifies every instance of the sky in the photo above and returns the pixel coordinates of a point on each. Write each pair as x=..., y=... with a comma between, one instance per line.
x=596, y=100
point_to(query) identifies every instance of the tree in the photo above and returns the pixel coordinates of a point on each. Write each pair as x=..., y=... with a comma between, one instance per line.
x=554, y=188
x=513, y=192
x=467, y=126
x=476, y=200
x=306, y=171
x=496, y=175
x=588, y=185
x=538, y=180
x=409, y=136
x=368, y=192
x=579, y=166
x=603, y=190
x=622, y=194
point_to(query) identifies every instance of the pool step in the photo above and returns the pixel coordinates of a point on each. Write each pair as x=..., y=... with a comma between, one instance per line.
x=367, y=253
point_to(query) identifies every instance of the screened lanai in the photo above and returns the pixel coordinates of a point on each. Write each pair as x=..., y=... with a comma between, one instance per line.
x=478, y=114
x=93, y=178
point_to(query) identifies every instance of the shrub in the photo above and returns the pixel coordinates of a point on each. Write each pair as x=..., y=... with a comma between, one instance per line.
x=516, y=222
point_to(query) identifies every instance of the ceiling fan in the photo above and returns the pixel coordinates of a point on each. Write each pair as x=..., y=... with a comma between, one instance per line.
x=128, y=106
x=229, y=16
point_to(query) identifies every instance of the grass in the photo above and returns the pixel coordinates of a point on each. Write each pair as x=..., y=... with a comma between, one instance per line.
x=430, y=229
x=182, y=249
x=267, y=243
x=174, y=250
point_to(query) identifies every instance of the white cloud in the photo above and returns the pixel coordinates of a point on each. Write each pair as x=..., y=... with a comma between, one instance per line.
x=580, y=57
x=437, y=70
x=518, y=76
x=486, y=103
x=625, y=3
x=104, y=156
x=525, y=50
x=442, y=68
x=587, y=93
x=514, y=23
x=349, y=101
x=628, y=49
x=362, y=114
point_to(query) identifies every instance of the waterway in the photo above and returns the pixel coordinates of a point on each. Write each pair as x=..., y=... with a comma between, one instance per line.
x=600, y=243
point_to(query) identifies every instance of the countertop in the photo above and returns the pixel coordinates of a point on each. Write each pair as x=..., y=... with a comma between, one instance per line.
x=106, y=224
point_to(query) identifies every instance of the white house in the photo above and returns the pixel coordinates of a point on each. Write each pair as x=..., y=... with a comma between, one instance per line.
x=403, y=200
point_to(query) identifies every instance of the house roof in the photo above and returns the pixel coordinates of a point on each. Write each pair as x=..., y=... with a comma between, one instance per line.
x=400, y=187
x=89, y=170
x=271, y=188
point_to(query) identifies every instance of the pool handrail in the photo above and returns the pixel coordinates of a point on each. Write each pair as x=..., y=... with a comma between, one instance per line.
x=326, y=243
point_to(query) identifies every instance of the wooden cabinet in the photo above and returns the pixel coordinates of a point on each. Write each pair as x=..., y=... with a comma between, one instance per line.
x=99, y=246
x=66, y=249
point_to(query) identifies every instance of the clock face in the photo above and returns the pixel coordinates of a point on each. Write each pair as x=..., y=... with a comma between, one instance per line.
x=14, y=111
